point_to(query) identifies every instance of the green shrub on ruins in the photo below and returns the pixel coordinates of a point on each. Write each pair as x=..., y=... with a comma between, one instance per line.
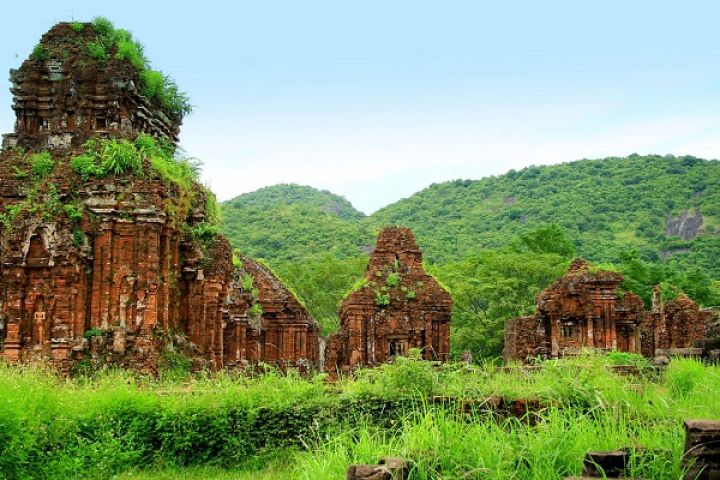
x=205, y=232
x=41, y=164
x=39, y=53
x=155, y=85
x=98, y=51
x=382, y=299
x=106, y=157
x=393, y=280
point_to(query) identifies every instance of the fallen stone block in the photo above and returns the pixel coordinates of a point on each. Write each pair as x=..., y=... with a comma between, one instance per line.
x=610, y=464
x=389, y=468
x=702, y=450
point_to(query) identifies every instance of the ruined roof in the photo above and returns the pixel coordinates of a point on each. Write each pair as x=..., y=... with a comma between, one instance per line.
x=90, y=77
x=579, y=276
x=580, y=279
x=272, y=294
x=395, y=278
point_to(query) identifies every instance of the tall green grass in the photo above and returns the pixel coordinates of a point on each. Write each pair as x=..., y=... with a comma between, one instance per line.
x=225, y=425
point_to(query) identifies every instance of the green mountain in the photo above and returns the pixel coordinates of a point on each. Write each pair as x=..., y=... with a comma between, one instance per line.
x=293, y=194
x=662, y=207
x=607, y=206
x=290, y=222
x=497, y=241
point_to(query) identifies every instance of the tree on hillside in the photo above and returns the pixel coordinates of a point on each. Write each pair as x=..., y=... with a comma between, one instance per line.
x=490, y=287
x=321, y=281
x=550, y=239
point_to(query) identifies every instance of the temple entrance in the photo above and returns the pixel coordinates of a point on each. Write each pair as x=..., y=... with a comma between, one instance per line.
x=570, y=333
x=397, y=346
x=624, y=341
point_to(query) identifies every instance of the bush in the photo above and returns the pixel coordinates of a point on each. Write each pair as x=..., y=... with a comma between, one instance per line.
x=246, y=282
x=627, y=358
x=93, y=332
x=393, y=280
x=74, y=212
x=78, y=237
x=39, y=53
x=41, y=164
x=129, y=50
x=683, y=375
x=98, y=51
x=382, y=299
x=119, y=157
x=156, y=86
x=407, y=376
x=255, y=311
x=205, y=232
x=174, y=365
x=103, y=26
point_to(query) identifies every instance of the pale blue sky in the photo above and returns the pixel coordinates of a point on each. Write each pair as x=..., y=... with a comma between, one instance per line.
x=376, y=100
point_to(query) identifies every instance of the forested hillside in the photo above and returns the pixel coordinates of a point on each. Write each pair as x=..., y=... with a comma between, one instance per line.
x=290, y=222
x=496, y=242
x=607, y=206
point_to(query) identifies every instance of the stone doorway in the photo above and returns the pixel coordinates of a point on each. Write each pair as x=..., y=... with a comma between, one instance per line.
x=397, y=346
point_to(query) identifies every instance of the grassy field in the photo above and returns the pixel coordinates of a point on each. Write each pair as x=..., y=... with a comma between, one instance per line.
x=270, y=426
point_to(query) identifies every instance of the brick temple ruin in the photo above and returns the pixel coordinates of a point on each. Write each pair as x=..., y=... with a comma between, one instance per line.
x=276, y=327
x=398, y=307
x=587, y=309
x=118, y=281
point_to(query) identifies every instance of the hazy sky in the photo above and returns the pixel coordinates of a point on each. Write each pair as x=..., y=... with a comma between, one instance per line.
x=376, y=100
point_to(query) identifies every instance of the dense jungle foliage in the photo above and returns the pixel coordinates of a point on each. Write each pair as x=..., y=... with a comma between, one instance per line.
x=497, y=242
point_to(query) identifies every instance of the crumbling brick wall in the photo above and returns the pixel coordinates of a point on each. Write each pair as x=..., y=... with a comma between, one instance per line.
x=275, y=326
x=684, y=323
x=585, y=309
x=524, y=339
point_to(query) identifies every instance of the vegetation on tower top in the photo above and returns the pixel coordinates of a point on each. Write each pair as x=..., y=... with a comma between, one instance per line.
x=156, y=85
x=111, y=43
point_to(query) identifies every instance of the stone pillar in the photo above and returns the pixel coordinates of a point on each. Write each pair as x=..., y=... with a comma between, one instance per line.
x=12, y=342
x=102, y=268
x=554, y=334
x=590, y=332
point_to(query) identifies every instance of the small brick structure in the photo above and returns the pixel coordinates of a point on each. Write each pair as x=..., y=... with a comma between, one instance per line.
x=586, y=310
x=279, y=330
x=702, y=450
x=677, y=324
x=398, y=307
x=118, y=284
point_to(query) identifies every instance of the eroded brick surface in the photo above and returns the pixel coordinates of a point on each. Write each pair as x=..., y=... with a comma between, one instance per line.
x=398, y=307
x=279, y=329
x=585, y=309
x=116, y=284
